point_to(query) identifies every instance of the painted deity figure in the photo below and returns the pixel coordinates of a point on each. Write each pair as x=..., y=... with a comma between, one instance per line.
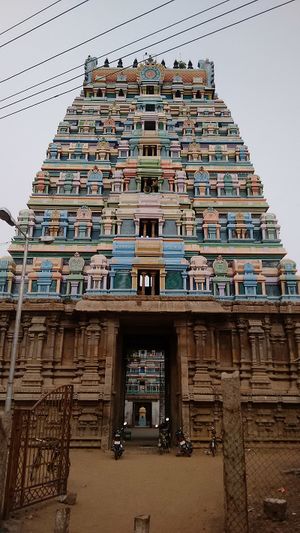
x=220, y=266
x=76, y=263
x=201, y=182
x=221, y=280
x=142, y=417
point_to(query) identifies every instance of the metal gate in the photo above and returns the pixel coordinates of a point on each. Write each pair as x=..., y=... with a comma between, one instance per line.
x=38, y=463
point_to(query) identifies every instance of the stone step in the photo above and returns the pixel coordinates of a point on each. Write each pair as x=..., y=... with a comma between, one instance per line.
x=140, y=449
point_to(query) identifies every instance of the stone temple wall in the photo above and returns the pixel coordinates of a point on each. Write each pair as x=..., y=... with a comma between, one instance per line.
x=82, y=344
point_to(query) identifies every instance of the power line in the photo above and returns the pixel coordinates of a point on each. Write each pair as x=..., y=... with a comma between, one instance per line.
x=30, y=17
x=157, y=42
x=160, y=53
x=136, y=51
x=115, y=50
x=43, y=23
x=87, y=41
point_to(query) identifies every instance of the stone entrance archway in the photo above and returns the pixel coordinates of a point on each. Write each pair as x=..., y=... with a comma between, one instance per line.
x=146, y=340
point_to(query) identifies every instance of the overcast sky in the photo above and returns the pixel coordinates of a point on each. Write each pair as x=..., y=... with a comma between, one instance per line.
x=256, y=69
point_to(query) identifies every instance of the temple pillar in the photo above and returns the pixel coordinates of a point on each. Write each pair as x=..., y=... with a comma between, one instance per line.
x=245, y=361
x=26, y=321
x=202, y=382
x=76, y=343
x=297, y=341
x=32, y=378
x=90, y=378
x=260, y=381
x=48, y=359
x=81, y=344
x=267, y=329
x=183, y=394
x=289, y=330
x=213, y=344
x=234, y=344
x=112, y=328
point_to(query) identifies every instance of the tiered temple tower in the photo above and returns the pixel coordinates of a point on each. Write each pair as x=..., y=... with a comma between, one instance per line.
x=148, y=228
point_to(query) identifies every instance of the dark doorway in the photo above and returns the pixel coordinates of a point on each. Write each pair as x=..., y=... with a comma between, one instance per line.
x=149, y=151
x=149, y=89
x=149, y=387
x=149, y=185
x=149, y=227
x=145, y=402
x=150, y=125
x=148, y=282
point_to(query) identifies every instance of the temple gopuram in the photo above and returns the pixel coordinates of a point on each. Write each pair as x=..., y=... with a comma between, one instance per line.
x=149, y=232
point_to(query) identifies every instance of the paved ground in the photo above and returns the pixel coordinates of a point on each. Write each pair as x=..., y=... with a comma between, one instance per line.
x=182, y=495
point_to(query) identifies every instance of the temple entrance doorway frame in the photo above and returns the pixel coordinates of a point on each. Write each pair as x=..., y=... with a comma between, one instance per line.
x=148, y=332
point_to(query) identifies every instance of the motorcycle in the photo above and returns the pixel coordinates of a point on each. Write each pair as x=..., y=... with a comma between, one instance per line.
x=117, y=444
x=164, y=438
x=184, y=445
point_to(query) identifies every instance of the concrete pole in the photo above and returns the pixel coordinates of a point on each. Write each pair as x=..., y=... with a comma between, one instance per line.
x=14, y=351
x=235, y=487
x=142, y=523
x=62, y=520
x=5, y=426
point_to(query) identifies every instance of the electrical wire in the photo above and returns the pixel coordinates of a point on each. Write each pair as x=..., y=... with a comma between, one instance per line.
x=233, y=24
x=84, y=42
x=43, y=23
x=113, y=51
x=139, y=50
x=30, y=17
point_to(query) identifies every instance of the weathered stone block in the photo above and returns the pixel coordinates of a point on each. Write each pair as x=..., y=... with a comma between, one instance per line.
x=69, y=498
x=62, y=520
x=275, y=509
x=142, y=524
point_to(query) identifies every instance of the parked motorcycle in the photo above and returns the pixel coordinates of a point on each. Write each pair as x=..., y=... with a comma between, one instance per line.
x=184, y=444
x=164, y=437
x=117, y=444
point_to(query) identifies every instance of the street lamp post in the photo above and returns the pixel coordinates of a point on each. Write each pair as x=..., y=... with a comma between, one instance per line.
x=6, y=216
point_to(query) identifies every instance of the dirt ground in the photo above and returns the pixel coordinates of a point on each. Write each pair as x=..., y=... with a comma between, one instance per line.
x=181, y=494
x=273, y=473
